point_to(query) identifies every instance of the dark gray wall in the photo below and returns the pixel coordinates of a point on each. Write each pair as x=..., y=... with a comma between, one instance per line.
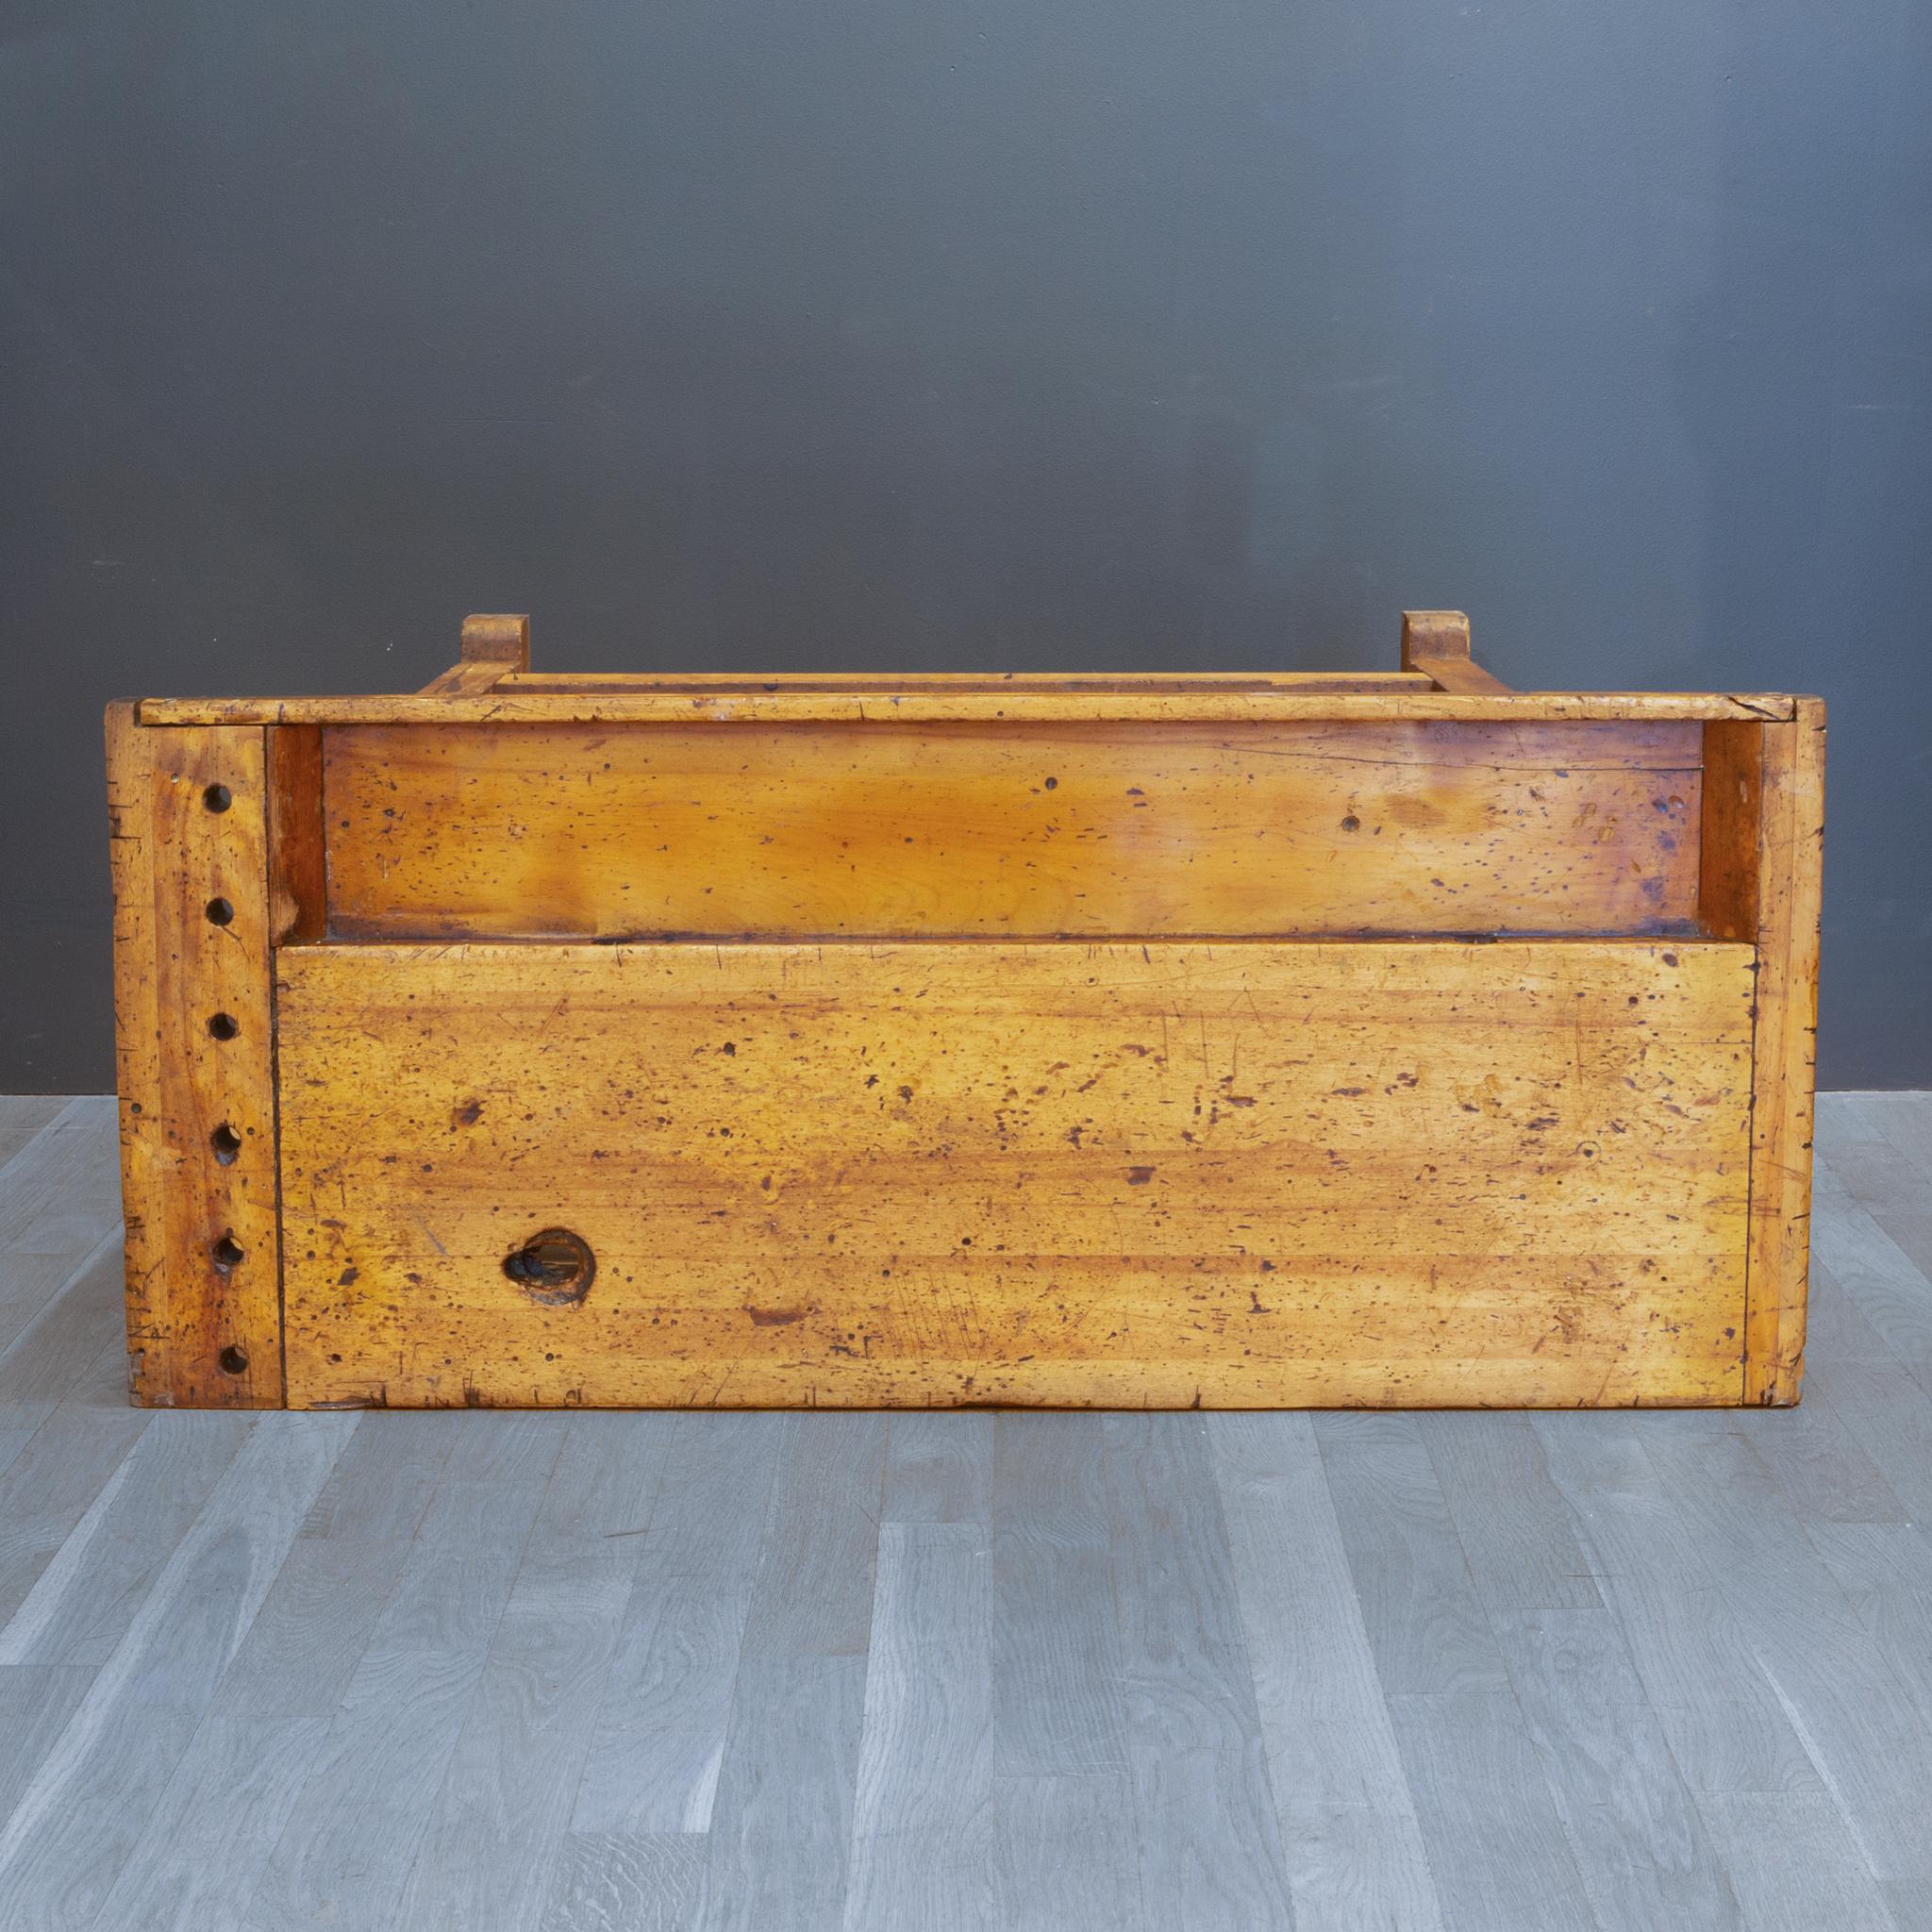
x=963, y=333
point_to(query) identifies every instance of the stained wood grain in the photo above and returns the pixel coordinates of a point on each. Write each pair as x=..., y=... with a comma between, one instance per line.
x=1013, y=832
x=914, y=706
x=1148, y=1176
x=196, y=1043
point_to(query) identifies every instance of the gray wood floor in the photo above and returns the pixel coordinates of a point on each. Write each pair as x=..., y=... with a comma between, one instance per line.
x=1475, y=1672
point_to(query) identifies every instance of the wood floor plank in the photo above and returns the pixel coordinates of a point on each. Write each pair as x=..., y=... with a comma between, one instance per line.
x=1501, y=1857
x=82, y=1603
x=1847, y=1698
x=1889, y=1413
x=1821, y=1469
x=310, y=1632
x=22, y=1116
x=36, y=1702
x=78, y=1820
x=1635, y=1831
x=939, y=1466
x=1425, y=1622
x=814, y=1588
x=1791, y=1863
x=345, y=1853
x=1512, y=1523
x=781, y=1824
x=1353, y=1844
x=1727, y=1727
x=207, y=1841
x=63, y=1339
x=485, y=1854
x=922, y=1829
x=1209, y=1833
x=1056, y=1698
x=625, y=1882
x=1891, y=1291
x=60, y=1200
x=655, y=1755
x=1065, y=1853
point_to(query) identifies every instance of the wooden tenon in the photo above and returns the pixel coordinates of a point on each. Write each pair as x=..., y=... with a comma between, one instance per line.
x=1143, y=1041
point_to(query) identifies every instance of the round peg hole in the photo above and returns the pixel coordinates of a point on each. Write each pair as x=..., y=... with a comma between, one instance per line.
x=217, y=798
x=555, y=1267
x=226, y=1143
x=222, y=1026
x=220, y=912
x=226, y=1252
x=233, y=1361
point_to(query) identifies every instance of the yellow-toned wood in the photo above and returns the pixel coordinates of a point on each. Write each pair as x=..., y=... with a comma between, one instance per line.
x=137, y=1048
x=1790, y=851
x=1012, y=831
x=995, y=700
x=873, y=683
x=1167, y=1174
x=203, y=1286
x=493, y=648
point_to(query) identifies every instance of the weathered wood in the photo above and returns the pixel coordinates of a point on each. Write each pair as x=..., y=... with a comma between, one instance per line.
x=1436, y=643
x=1275, y=866
x=196, y=1041
x=1761, y=844
x=297, y=851
x=137, y=1046
x=978, y=704
x=1152, y=1176
x=852, y=831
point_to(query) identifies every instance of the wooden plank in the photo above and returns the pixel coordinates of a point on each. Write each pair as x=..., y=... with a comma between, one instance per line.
x=1348, y=1825
x=849, y=831
x=1150, y=1175
x=970, y=706
x=1635, y=1831
x=1761, y=844
x=939, y=1467
x=81, y=1816
x=1790, y=841
x=1209, y=1834
x=922, y=1815
x=137, y=1050
x=728, y=683
x=1792, y=1864
x=198, y=1099
x=297, y=851
x=659, y=1738
x=625, y=1882
x=487, y=1852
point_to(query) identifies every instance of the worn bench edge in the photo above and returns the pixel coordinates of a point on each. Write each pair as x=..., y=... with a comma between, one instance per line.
x=995, y=703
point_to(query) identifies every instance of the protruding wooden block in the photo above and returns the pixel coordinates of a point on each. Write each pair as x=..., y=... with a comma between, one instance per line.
x=1436, y=643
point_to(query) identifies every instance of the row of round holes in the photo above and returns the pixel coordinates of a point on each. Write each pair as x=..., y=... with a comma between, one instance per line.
x=225, y=1141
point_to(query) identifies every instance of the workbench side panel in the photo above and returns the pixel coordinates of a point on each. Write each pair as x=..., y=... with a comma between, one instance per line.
x=1159, y=1174
x=195, y=1042
x=878, y=831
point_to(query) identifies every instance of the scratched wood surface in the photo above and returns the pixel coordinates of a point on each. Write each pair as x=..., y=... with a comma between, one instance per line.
x=1441, y=1672
x=192, y=942
x=1145, y=701
x=1134, y=830
x=1140, y=1176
